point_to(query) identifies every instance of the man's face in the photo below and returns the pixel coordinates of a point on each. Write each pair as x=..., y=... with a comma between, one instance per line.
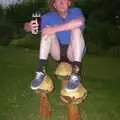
x=61, y=5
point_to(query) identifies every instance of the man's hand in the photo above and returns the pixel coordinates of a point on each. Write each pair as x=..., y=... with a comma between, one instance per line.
x=34, y=26
x=31, y=26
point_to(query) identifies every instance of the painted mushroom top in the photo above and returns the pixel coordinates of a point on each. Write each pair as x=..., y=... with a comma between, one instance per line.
x=64, y=69
x=74, y=97
x=46, y=86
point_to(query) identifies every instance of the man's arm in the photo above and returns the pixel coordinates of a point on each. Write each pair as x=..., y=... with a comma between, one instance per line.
x=79, y=22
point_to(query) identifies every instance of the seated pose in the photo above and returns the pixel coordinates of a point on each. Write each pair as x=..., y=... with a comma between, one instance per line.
x=61, y=36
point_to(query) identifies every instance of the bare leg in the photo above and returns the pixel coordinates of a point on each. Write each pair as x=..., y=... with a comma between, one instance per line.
x=76, y=47
x=55, y=49
x=45, y=46
x=49, y=44
x=75, y=54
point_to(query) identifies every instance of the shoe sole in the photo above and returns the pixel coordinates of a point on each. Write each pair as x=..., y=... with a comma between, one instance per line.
x=71, y=90
x=35, y=88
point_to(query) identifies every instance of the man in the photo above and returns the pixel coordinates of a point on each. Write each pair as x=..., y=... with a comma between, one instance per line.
x=62, y=38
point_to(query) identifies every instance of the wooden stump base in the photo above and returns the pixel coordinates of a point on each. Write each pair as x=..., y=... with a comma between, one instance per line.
x=45, y=106
x=73, y=99
x=73, y=112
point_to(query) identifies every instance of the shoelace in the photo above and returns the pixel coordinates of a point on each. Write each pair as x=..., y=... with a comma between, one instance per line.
x=74, y=78
x=39, y=75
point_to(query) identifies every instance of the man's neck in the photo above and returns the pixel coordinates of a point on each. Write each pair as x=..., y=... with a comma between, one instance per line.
x=63, y=15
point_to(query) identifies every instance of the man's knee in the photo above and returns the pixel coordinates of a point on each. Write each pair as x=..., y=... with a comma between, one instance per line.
x=76, y=34
x=48, y=37
x=76, y=30
x=57, y=58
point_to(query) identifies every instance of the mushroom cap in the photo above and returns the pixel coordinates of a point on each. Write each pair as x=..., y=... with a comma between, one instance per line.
x=47, y=85
x=74, y=97
x=64, y=69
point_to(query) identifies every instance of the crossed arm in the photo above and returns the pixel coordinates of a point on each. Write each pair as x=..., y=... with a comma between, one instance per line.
x=80, y=22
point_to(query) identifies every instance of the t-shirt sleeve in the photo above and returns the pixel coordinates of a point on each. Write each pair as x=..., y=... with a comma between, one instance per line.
x=44, y=21
x=77, y=13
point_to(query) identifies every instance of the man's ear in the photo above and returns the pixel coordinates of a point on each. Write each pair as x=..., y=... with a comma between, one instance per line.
x=54, y=5
x=69, y=3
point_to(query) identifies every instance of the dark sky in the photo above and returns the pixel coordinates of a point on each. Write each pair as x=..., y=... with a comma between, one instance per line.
x=7, y=2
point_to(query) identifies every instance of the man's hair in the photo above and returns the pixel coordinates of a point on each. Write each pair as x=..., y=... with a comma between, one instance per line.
x=51, y=2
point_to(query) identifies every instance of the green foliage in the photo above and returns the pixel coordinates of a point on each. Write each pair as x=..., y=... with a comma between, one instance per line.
x=28, y=41
x=20, y=13
x=101, y=32
x=1, y=11
x=13, y=19
x=114, y=51
x=93, y=48
x=6, y=33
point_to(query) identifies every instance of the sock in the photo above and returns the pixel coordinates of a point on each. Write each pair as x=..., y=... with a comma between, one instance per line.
x=76, y=67
x=42, y=63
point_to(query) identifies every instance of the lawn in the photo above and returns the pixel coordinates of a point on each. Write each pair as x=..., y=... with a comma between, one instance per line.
x=101, y=77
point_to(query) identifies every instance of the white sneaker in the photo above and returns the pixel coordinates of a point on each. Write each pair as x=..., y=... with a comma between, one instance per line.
x=35, y=84
x=73, y=83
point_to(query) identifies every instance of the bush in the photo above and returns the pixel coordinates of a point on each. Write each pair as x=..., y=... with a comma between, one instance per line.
x=93, y=48
x=29, y=41
x=114, y=51
x=6, y=33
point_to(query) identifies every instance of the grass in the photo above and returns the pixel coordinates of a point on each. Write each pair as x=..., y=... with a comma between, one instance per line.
x=101, y=76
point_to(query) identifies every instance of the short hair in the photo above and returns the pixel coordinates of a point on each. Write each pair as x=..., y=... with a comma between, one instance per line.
x=51, y=2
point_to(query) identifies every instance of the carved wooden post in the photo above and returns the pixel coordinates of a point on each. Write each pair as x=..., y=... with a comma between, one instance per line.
x=45, y=107
x=71, y=98
x=73, y=112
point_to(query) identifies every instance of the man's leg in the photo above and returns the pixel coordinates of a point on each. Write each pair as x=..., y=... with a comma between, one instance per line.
x=45, y=46
x=59, y=51
x=75, y=54
x=76, y=47
x=55, y=48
